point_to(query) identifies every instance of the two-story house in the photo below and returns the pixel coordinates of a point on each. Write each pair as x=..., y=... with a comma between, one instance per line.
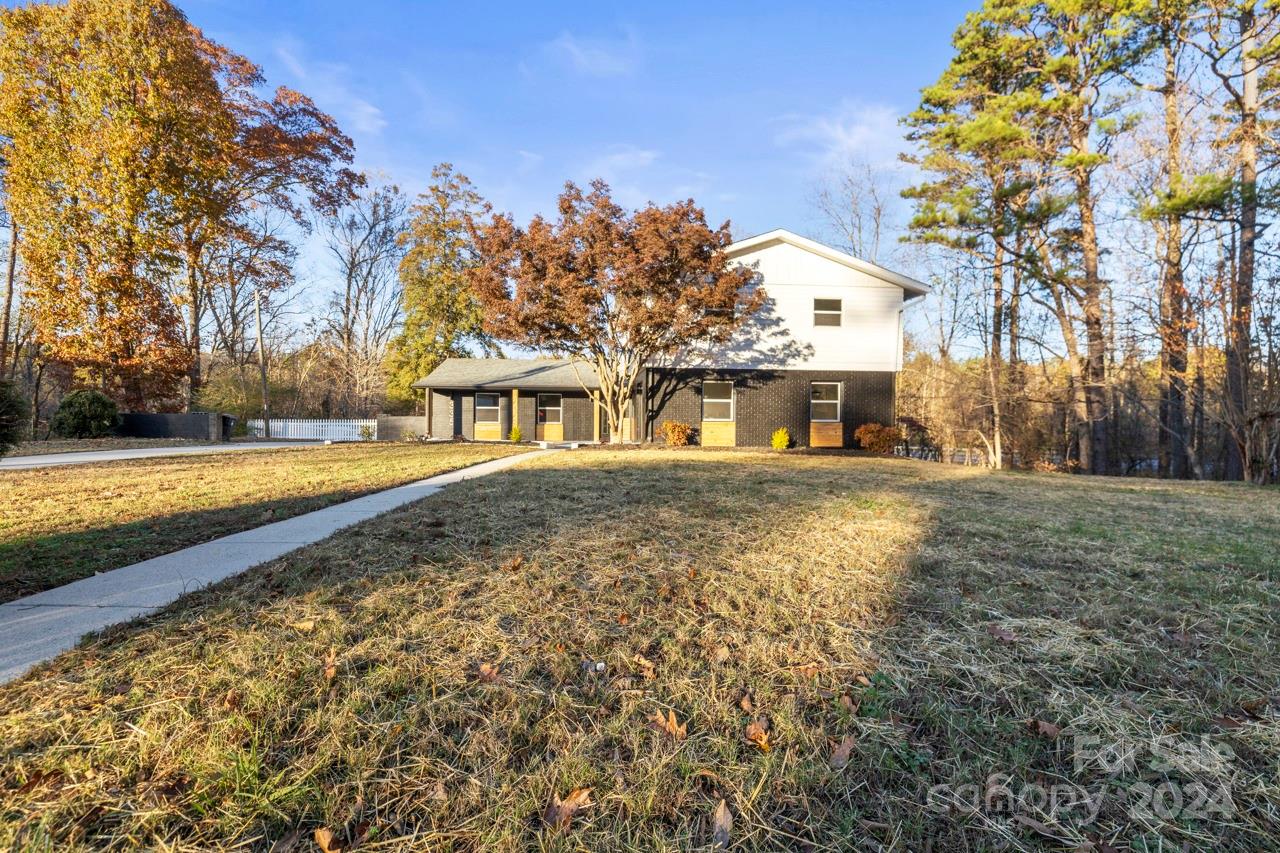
x=820, y=358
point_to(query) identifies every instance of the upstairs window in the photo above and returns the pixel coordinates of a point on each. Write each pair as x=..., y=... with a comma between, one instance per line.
x=826, y=312
x=824, y=402
x=717, y=401
x=486, y=408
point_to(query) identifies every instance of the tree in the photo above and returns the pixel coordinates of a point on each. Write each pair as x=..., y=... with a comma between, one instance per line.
x=611, y=290
x=856, y=203
x=442, y=317
x=363, y=239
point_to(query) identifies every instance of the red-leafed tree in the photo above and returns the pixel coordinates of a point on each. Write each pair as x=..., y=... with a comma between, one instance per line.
x=611, y=289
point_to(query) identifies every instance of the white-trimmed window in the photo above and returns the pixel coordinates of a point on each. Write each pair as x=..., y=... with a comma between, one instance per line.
x=486, y=408
x=824, y=402
x=550, y=409
x=717, y=401
x=826, y=312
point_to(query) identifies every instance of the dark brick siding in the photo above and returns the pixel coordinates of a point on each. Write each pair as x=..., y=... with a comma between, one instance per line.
x=767, y=399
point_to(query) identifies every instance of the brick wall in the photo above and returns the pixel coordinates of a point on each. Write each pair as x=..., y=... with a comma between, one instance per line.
x=767, y=399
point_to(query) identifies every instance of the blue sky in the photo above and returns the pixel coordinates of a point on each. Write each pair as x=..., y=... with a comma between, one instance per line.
x=742, y=106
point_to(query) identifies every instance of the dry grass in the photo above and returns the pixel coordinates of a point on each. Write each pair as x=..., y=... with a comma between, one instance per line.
x=64, y=523
x=342, y=687
x=80, y=445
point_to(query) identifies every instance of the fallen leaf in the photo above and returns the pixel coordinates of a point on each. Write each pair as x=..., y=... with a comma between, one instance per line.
x=1003, y=635
x=693, y=573
x=720, y=655
x=514, y=564
x=746, y=704
x=721, y=827
x=758, y=735
x=646, y=666
x=438, y=792
x=286, y=842
x=1044, y=728
x=840, y=755
x=1226, y=722
x=809, y=670
x=306, y=626
x=863, y=680
x=325, y=841
x=488, y=673
x=330, y=664
x=846, y=702
x=560, y=812
x=623, y=619
x=668, y=725
x=1255, y=707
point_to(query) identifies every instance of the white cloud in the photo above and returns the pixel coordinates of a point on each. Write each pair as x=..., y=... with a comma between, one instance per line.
x=529, y=161
x=328, y=85
x=433, y=110
x=867, y=133
x=596, y=57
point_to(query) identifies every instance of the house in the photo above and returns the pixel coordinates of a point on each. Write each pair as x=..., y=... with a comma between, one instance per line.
x=820, y=358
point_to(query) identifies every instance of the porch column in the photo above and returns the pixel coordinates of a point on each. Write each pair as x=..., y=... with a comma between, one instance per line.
x=595, y=421
x=515, y=412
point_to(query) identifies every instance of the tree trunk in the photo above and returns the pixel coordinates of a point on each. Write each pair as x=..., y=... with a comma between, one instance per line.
x=8, y=296
x=262, y=365
x=196, y=312
x=1095, y=363
x=1239, y=333
x=996, y=354
x=1173, y=294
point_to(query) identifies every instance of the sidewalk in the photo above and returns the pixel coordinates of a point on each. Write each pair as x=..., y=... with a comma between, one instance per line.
x=82, y=457
x=39, y=627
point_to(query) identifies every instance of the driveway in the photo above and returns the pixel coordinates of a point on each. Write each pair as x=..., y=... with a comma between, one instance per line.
x=83, y=457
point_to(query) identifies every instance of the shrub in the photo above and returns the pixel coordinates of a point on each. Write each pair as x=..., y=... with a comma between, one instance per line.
x=13, y=416
x=366, y=432
x=86, y=414
x=515, y=434
x=781, y=438
x=877, y=438
x=676, y=433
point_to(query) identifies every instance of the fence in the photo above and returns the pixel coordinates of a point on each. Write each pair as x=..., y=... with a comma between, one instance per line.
x=316, y=429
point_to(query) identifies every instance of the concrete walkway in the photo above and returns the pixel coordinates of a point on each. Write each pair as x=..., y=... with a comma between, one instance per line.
x=82, y=457
x=38, y=627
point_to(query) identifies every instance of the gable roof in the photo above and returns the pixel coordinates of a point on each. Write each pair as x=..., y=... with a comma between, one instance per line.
x=912, y=287
x=553, y=374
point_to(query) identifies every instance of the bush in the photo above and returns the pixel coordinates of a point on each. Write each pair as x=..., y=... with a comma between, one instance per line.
x=86, y=414
x=781, y=439
x=877, y=438
x=676, y=433
x=13, y=416
x=515, y=434
x=367, y=432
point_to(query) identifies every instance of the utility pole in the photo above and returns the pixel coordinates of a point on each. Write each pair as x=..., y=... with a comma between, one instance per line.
x=262, y=363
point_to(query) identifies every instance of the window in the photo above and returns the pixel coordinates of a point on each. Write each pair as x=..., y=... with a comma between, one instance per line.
x=486, y=408
x=824, y=402
x=549, y=409
x=717, y=401
x=826, y=312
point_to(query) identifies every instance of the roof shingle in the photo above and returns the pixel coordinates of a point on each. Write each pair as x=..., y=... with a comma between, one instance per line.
x=543, y=373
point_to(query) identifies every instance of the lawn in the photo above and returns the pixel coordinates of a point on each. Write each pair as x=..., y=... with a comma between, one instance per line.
x=847, y=653
x=80, y=445
x=64, y=523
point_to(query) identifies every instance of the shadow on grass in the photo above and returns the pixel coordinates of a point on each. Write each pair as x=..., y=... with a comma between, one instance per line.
x=341, y=686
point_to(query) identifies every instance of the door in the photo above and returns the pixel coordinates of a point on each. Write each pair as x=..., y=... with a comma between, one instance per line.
x=825, y=427
x=718, y=427
x=550, y=418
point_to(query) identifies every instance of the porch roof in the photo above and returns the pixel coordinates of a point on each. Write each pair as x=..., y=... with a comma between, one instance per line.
x=556, y=374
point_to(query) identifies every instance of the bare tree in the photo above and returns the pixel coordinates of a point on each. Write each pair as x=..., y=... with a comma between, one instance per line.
x=364, y=312
x=855, y=203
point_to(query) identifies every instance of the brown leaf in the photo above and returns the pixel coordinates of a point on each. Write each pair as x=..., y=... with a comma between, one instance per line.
x=721, y=827
x=1255, y=707
x=514, y=564
x=646, y=666
x=326, y=841
x=306, y=626
x=863, y=680
x=809, y=670
x=668, y=725
x=720, y=654
x=1003, y=635
x=330, y=664
x=746, y=704
x=624, y=619
x=286, y=842
x=560, y=812
x=757, y=734
x=846, y=702
x=488, y=673
x=1044, y=728
x=438, y=792
x=840, y=755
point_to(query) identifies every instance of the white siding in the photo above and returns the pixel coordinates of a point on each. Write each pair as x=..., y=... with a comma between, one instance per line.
x=783, y=335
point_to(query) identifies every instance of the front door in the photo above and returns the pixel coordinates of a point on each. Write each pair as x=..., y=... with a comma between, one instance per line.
x=825, y=427
x=550, y=418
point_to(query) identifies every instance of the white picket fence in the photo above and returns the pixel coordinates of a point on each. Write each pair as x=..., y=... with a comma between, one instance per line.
x=317, y=429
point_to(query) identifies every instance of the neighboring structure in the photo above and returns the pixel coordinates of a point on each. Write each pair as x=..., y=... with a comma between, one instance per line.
x=820, y=358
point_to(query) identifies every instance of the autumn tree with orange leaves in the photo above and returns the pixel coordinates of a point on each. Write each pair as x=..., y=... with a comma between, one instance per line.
x=610, y=289
x=133, y=143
